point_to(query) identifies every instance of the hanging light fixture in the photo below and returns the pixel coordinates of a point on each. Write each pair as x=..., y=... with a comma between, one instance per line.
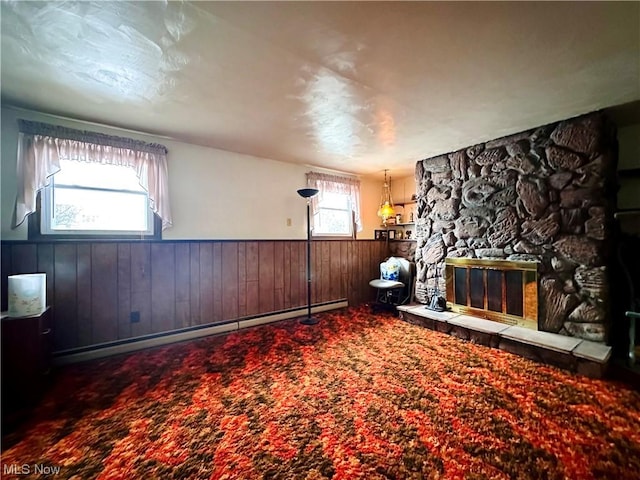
x=386, y=203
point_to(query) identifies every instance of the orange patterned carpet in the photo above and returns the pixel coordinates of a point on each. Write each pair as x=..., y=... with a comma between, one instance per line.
x=357, y=396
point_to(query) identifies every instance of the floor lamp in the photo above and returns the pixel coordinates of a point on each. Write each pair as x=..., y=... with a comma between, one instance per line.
x=308, y=193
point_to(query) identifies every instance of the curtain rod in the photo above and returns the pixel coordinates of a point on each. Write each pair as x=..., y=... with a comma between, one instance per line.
x=88, y=122
x=331, y=171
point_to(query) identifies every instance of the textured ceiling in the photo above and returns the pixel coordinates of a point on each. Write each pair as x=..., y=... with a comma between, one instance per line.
x=356, y=87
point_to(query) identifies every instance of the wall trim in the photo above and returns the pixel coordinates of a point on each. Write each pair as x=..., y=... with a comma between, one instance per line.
x=41, y=240
x=67, y=357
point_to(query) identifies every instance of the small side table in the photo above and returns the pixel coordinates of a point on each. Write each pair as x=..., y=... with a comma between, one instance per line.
x=26, y=362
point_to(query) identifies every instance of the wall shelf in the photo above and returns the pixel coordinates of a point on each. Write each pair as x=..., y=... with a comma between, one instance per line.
x=391, y=225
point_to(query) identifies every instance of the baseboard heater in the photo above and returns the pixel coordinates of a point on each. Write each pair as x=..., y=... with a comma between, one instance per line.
x=66, y=357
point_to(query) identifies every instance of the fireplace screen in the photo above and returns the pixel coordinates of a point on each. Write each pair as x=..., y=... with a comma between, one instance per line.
x=501, y=290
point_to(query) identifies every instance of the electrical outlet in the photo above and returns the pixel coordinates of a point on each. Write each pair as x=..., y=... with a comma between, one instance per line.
x=134, y=317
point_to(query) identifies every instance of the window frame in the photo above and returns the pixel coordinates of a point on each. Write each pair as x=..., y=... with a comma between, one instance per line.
x=336, y=236
x=42, y=145
x=40, y=222
x=34, y=229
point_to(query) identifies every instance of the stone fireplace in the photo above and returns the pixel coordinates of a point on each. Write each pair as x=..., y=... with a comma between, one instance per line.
x=545, y=196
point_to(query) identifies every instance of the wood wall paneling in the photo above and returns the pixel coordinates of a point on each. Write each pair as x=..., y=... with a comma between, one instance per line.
x=266, y=285
x=183, y=285
x=83, y=336
x=163, y=287
x=251, y=270
x=242, y=279
x=325, y=278
x=344, y=265
x=24, y=258
x=294, y=275
x=230, y=281
x=124, y=290
x=45, y=265
x=141, y=287
x=95, y=286
x=65, y=300
x=194, y=283
x=104, y=292
x=140, y=267
x=302, y=273
x=206, y=283
x=278, y=276
x=286, y=275
x=217, y=282
x=335, y=277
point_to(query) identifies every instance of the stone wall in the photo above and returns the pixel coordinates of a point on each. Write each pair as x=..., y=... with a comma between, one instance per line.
x=547, y=195
x=403, y=248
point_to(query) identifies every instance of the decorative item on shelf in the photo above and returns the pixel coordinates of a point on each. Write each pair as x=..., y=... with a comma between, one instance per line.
x=381, y=234
x=386, y=211
x=400, y=234
x=307, y=193
x=398, y=218
x=407, y=234
x=411, y=216
x=27, y=294
x=414, y=197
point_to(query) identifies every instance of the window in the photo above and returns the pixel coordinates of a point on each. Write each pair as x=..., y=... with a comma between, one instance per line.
x=336, y=208
x=95, y=199
x=334, y=217
x=90, y=184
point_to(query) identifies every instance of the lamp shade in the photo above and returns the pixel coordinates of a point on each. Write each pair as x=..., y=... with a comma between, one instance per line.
x=386, y=210
x=27, y=294
x=307, y=192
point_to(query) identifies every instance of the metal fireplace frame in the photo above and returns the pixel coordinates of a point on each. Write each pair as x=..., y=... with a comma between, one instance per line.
x=511, y=301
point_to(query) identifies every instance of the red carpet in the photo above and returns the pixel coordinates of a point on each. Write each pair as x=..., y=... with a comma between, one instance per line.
x=357, y=396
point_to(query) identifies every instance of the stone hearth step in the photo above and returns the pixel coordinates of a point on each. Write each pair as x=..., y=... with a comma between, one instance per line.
x=479, y=324
x=552, y=341
x=582, y=356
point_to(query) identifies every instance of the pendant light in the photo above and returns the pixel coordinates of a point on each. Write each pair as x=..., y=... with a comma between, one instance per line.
x=386, y=203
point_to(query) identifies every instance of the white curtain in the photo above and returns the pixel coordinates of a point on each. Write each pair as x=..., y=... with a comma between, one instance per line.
x=326, y=183
x=41, y=146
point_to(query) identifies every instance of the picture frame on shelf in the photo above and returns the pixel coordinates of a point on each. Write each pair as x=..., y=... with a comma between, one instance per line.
x=380, y=235
x=391, y=234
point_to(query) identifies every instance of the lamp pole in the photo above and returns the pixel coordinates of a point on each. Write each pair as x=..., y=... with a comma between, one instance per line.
x=307, y=193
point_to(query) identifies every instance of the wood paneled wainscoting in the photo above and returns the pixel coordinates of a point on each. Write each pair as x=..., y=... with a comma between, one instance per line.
x=94, y=286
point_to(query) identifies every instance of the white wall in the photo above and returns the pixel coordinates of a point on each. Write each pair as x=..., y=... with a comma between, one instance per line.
x=370, y=191
x=402, y=188
x=215, y=194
